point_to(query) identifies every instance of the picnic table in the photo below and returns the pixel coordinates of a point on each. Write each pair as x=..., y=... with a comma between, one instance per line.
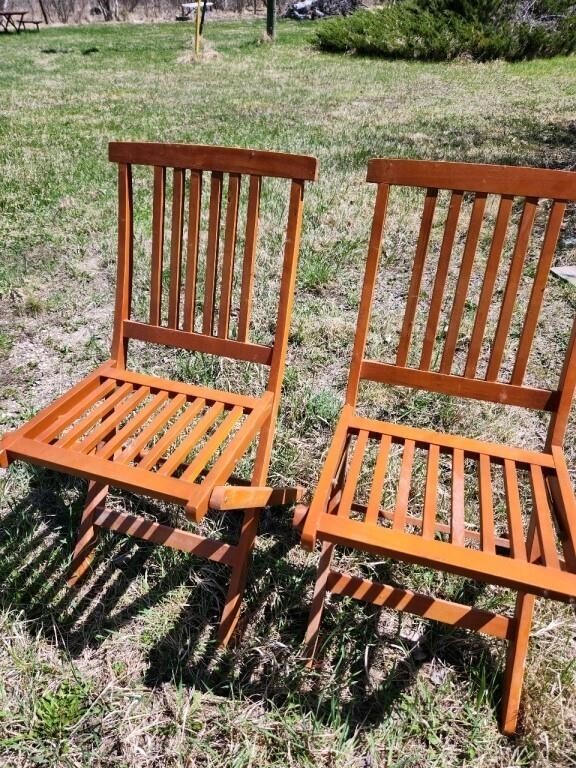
x=12, y=19
x=15, y=20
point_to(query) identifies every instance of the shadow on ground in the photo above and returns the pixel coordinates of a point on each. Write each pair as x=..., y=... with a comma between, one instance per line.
x=266, y=664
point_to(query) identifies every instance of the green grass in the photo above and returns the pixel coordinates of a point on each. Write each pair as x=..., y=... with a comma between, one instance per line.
x=125, y=671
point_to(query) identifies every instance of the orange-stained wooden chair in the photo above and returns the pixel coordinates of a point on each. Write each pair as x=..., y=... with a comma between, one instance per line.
x=169, y=440
x=532, y=547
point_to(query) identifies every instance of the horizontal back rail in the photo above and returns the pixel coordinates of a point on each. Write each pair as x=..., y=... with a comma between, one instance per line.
x=198, y=342
x=497, y=392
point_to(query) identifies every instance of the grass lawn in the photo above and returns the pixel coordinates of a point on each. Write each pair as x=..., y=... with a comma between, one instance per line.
x=125, y=671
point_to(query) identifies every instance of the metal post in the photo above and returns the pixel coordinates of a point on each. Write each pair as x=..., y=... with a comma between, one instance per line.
x=271, y=18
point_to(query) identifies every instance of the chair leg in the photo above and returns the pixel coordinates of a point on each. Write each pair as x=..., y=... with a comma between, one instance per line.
x=87, y=533
x=515, y=663
x=232, y=605
x=317, y=607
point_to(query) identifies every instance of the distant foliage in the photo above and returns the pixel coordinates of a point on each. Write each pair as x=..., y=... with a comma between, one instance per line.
x=440, y=30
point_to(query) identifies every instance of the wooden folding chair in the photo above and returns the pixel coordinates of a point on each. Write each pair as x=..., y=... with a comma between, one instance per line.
x=508, y=513
x=169, y=440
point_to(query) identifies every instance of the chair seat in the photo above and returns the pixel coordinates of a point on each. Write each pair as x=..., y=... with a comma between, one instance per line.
x=166, y=439
x=433, y=498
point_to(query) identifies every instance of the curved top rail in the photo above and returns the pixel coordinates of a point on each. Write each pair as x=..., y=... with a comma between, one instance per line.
x=224, y=159
x=473, y=177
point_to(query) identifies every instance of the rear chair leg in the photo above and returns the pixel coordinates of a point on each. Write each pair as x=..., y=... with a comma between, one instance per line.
x=231, y=612
x=87, y=533
x=515, y=663
x=317, y=607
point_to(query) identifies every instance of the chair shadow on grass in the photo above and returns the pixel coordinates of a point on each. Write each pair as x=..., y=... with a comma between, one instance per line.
x=266, y=664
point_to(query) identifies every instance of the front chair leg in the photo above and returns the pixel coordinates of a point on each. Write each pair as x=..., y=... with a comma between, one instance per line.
x=515, y=663
x=317, y=607
x=87, y=533
x=231, y=612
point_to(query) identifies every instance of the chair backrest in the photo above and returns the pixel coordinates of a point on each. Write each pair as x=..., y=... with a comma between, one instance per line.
x=202, y=322
x=494, y=249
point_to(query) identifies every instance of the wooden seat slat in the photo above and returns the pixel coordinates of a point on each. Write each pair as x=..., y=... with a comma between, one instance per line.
x=153, y=456
x=94, y=416
x=191, y=439
x=378, y=479
x=200, y=461
x=170, y=408
x=109, y=425
x=353, y=474
x=65, y=419
x=514, y=510
x=431, y=493
x=136, y=420
x=458, y=499
x=485, y=496
x=404, y=483
x=543, y=518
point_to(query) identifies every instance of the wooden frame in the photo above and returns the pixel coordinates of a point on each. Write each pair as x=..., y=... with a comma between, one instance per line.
x=169, y=440
x=537, y=559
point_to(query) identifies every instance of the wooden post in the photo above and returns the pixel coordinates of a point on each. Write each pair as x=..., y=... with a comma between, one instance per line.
x=197, y=35
x=271, y=19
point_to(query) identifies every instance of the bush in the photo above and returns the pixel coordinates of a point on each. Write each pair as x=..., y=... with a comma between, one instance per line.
x=408, y=31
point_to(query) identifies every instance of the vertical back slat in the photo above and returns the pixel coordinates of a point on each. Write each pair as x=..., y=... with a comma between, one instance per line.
x=567, y=387
x=287, y=283
x=158, y=205
x=252, y=216
x=544, y=263
x=176, y=248
x=514, y=275
x=194, y=208
x=490, y=274
x=229, y=252
x=123, y=303
x=440, y=279
x=364, y=311
x=212, y=252
x=463, y=282
x=416, y=279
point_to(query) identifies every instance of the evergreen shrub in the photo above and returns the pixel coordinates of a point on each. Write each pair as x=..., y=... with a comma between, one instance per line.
x=449, y=31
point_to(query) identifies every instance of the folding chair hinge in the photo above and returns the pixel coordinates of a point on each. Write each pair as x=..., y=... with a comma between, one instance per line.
x=247, y=497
